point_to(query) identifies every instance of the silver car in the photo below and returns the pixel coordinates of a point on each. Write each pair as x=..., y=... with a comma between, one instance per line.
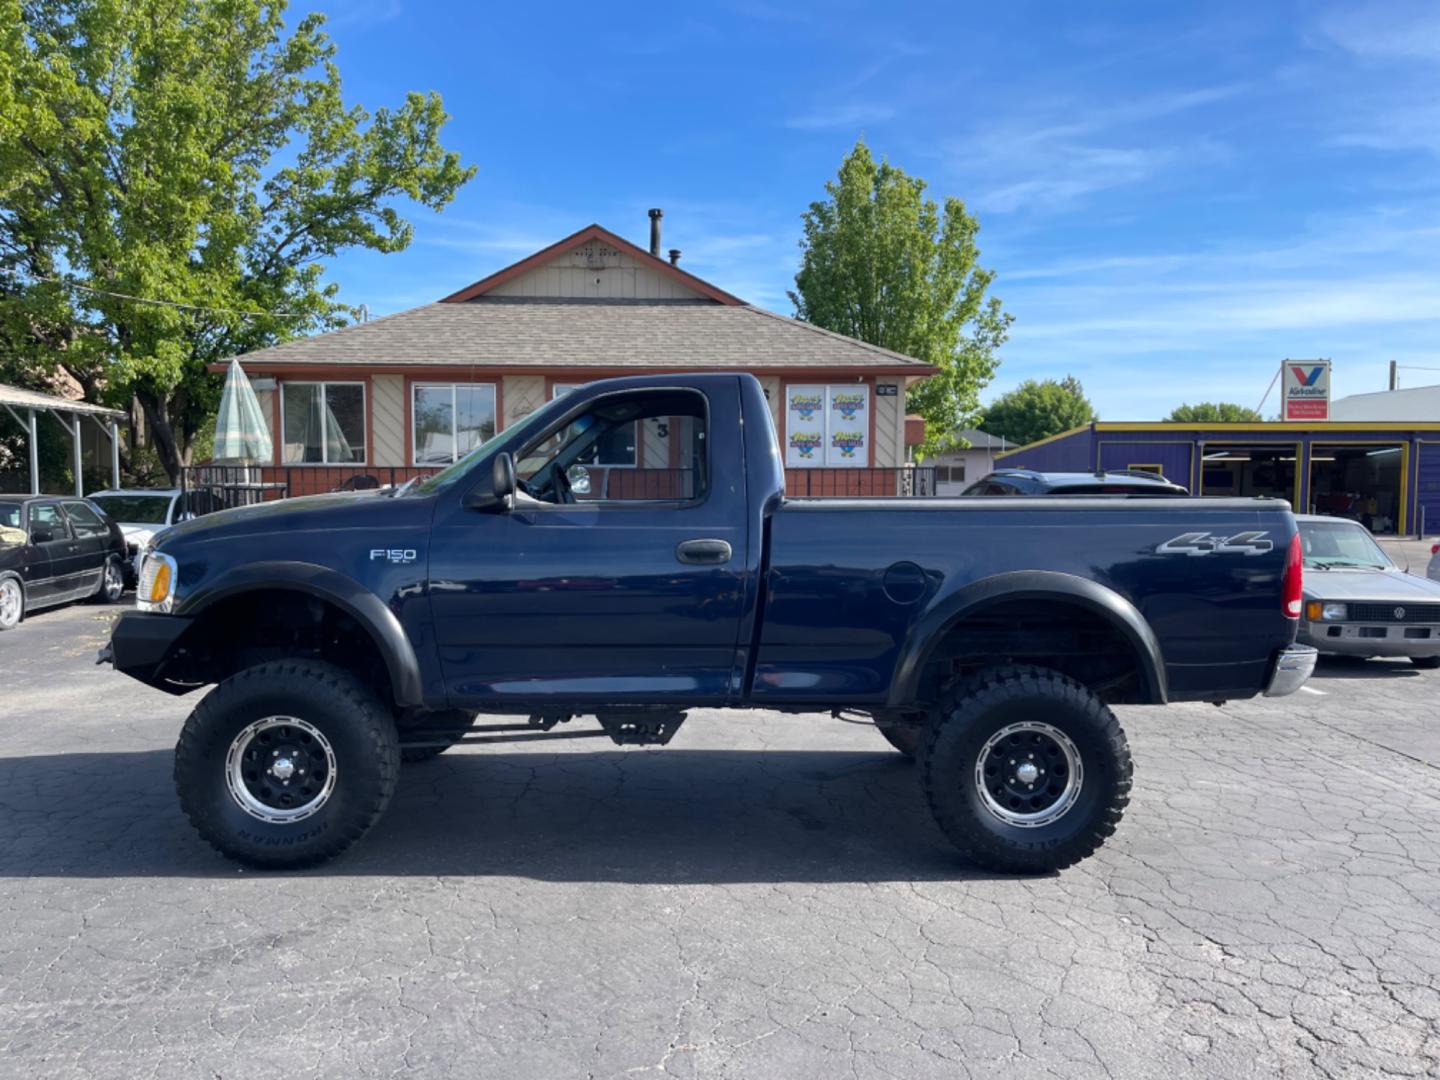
x=1358, y=602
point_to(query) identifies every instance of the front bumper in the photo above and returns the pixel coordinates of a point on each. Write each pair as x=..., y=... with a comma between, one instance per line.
x=1293, y=666
x=1367, y=639
x=141, y=645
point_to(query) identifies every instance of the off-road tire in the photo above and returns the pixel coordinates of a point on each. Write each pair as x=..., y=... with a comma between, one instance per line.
x=903, y=737
x=358, y=727
x=973, y=711
x=450, y=724
x=1426, y=662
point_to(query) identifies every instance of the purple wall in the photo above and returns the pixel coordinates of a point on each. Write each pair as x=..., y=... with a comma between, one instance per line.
x=1173, y=458
x=1073, y=453
x=1427, y=486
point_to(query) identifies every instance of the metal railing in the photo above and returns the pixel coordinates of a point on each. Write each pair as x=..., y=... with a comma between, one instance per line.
x=860, y=483
x=207, y=488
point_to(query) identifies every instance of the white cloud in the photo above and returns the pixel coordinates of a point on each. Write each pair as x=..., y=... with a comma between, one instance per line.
x=852, y=116
x=1052, y=155
x=1393, y=30
x=359, y=14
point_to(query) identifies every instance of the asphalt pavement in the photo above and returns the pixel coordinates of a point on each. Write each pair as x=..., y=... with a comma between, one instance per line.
x=766, y=897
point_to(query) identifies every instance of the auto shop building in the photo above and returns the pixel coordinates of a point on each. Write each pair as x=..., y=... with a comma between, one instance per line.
x=1384, y=474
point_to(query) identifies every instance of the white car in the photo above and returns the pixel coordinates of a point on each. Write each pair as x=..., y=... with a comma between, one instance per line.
x=142, y=514
x=1433, y=570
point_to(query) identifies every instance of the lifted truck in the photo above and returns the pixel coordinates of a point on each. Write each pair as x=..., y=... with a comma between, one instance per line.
x=987, y=638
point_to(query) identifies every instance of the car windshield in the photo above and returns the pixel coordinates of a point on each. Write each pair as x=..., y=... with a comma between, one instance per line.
x=135, y=509
x=1329, y=544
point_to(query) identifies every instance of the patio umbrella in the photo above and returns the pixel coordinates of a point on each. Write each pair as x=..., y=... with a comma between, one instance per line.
x=241, y=433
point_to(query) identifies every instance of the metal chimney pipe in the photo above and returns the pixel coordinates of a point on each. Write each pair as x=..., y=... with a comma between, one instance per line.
x=674, y=256
x=655, y=215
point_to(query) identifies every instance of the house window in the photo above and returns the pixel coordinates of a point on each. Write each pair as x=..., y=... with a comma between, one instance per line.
x=618, y=447
x=324, y=423
x=827, y=426
x=448, y=420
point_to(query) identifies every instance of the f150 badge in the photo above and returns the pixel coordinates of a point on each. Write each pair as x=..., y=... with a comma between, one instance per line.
x=1199, y=543
x=393, y=555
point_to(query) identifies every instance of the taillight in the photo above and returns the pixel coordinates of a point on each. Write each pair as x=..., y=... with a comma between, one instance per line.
x=1291, y=588
x=1435, y=549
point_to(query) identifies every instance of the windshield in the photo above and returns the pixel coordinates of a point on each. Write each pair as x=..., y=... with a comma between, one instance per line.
x=511, y=439
x=1341, y=543
x=135, y=509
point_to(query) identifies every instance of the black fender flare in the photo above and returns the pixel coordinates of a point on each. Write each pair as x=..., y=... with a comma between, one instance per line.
x=926, y=633
x=345, y=593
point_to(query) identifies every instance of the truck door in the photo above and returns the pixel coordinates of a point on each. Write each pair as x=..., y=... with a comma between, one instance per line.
x=619, y=574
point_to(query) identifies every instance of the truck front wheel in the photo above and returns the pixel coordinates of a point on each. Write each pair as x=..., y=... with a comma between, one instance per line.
x=286, y=764
x=1026, y=770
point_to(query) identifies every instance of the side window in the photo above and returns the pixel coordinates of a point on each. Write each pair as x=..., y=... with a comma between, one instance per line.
x=47, y=519
x=665, y=454
x=87, y=523
x=994, y=487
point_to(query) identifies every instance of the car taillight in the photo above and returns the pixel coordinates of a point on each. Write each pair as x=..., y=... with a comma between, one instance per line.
x=1435, y=549
x=1292, y=587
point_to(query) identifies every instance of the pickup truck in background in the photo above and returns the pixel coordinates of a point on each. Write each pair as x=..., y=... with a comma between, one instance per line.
x=987, y=638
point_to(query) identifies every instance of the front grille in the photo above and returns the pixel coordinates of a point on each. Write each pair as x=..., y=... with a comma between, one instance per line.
x=1395, y=613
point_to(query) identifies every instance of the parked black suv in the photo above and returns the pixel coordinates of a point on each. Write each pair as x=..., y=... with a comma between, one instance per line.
x=1030, y=482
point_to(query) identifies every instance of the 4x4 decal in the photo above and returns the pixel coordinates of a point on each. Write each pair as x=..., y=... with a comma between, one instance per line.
x=1199, y=543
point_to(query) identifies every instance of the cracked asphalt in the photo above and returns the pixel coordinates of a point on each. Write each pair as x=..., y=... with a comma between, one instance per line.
x=767, y=897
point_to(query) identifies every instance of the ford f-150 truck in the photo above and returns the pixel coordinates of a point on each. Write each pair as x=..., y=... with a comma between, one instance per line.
x=627, y=552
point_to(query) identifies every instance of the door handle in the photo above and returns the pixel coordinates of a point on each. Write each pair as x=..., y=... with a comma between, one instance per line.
x=703, y=552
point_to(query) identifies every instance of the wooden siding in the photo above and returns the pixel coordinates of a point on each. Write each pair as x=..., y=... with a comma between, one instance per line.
x=523, y=395
x=596, y=271
x=387, y=414
x=890, y=427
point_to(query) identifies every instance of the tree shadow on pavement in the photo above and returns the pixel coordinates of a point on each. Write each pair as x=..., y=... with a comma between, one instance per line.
x=632, y=815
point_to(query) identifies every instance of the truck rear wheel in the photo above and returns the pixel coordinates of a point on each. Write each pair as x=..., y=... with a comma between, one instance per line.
x=1026, y=770
x=286, y=764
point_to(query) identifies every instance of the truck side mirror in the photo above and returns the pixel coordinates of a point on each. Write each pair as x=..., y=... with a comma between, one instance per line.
x=497, y=491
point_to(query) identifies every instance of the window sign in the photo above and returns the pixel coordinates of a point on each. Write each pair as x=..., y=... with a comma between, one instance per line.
x=827, y=426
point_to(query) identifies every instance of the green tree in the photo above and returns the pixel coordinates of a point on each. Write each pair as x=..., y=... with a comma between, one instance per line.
x=195, y=152
x=884, y=264
x=1036, y=410
x=1211, y=412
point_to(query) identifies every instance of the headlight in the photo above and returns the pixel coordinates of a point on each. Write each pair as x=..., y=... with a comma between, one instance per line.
x=156, y=591
x=1322, y=611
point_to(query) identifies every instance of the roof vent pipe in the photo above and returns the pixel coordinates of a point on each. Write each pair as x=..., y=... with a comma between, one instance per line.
x=655, y=215
x=674, y=256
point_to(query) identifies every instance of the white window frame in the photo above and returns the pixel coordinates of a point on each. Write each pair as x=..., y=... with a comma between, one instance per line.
x=454, y=412
x=324, y=442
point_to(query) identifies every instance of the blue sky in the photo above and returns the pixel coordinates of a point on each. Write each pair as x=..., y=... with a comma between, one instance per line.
x=1175, y=197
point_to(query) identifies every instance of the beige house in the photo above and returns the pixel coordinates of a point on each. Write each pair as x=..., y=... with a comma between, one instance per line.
x=410, y=392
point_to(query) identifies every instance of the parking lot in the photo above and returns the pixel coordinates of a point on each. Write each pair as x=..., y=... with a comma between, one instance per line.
x=767, y=897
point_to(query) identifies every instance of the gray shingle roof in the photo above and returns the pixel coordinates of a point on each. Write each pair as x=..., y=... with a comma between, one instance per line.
x=577, y=333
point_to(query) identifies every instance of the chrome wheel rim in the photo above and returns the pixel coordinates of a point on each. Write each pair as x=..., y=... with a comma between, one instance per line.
x=10, y=602
x=114, y=584
x=280, y=769
x=1029, y=774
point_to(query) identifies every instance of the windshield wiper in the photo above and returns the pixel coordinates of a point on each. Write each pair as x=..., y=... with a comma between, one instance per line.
x=395, y=493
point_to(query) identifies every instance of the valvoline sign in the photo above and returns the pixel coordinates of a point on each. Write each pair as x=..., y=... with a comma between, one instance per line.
x=1305, y=385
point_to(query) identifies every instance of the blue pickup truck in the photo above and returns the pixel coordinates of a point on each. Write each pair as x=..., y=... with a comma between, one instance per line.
x=986, y=638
